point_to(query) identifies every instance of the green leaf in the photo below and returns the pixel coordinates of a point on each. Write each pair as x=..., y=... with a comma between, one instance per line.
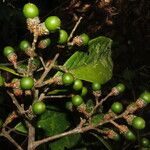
x=106, y=144
x=21, y=128
x=8, y=70
x=94, y=66
x=65, y=142
x=97, y=118
x=89, y=105
x=56, y=91
x=53, y=121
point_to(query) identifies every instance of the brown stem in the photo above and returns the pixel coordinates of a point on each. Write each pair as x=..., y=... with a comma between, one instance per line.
x=101, y=102
x=74, y=29
x=31, y=135
x=6, y=135
x=20, y=109
x=47, y=69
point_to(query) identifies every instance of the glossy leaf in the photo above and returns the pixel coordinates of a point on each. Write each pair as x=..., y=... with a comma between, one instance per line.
x=8, y=70
x=21, y=128
x=53, y=121
x=94, y=66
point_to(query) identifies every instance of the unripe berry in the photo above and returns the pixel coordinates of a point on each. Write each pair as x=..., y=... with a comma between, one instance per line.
x=38, y=108
x=96, y=86
x=67, y=79
x=120, y=87
x=77, y=100
x=117, y=107
x=26, y=83
x=145, y=96
x=24, y=45
x=30, y=10
x=53, y=23
x=77, y=85
x=8, y=50
x=138, y=123
x=85, y=39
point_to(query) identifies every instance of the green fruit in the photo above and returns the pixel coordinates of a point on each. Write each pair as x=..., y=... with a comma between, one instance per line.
x=116, y=137
x=138, y=123
x=77, y=85
x=8, y=50
x=145, y=96
x=145, y=142
x=53, y=23
x=69, y=105
x=24, y=45
x=44, y=43
x=67, y=79
x=96, y=86
x=129, y=135
x=38, y=108
x=26, y=83
x=117, y=107
x=2, y=80
x=1, y=122
x=84, y=91
x=85, y=39
x=63, y=37
x=30, y=10
x=77, y=100
x=120, y=87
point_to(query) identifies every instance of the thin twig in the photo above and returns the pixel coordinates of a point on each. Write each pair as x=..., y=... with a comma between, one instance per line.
x=74, y=29
x=20, y=109
x=57, y=96
x=101, y=102
x=47, y=69
x=6, y=135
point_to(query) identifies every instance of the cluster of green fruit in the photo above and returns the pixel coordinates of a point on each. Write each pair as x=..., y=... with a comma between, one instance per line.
x=52, y=24
x=77, y=85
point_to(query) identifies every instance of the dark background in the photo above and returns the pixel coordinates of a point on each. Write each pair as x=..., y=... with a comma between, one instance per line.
x=124, y=21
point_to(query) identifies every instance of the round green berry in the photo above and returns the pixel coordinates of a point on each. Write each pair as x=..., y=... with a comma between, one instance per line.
x=24, y=45
x=67, y=79
x=44, y=43
x=120, y=87
x=84, y=91
x=8, y=50
x=30, y=10
x=69, y=105
x=116, y=137
x=96, y=86
x=145, y=142
x=145, y=96
x=2, y=80
x=77, y=85
x=138, y=123
x=63, y=37
x=26, y=83
x=129, y=135
x=117, y=107
x=53, y=23
x=85, y=39
x=77, y=100
x=38, y=108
